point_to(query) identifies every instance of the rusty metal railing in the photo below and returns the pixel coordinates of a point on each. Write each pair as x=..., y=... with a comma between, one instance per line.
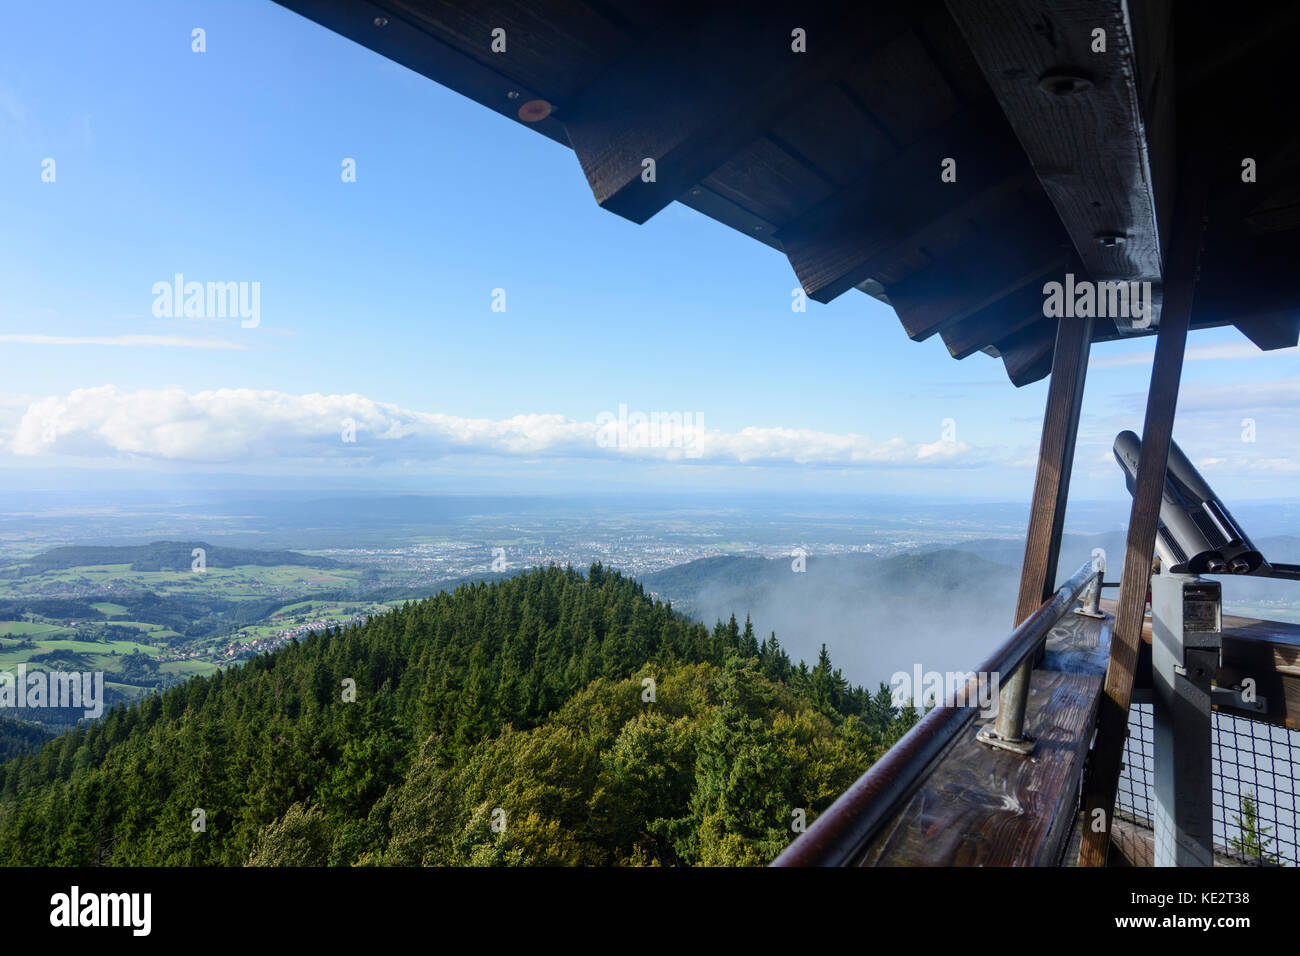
x=838, y=836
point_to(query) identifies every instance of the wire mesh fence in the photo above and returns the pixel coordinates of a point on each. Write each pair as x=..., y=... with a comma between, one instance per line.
x=1254, y=783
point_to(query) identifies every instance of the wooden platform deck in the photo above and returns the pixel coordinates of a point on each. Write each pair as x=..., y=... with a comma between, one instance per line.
x=984, y=807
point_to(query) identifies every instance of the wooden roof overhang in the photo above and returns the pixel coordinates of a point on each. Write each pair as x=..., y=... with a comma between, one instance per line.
x=1066, y=156
x=1165, y=156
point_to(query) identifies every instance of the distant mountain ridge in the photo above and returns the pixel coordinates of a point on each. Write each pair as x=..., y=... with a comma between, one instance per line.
x=936, y=570
x=160, y=556
x=941, y=608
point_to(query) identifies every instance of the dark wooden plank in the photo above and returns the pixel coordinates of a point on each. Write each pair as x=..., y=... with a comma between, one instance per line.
x=1013, y=252
x=1237, y=40
x=536, y=30
x=903, y=89
x=947, y=47
x=1272, y=202
x=1091, y=149
x=1265, y=307
x=769, y=182
x=840, y=140
x=1280, y=331
x=706, y=201
x=1281, y=216
x=835, y=245
x=701, y=90
x=402, y=41
x=637, y=16
x=1157, y=432
x=962, y=223
x=914, y=254
x=995, y=322
x=1027, y=354
x=983, y=807
x=1152, y=36
x=1106, y=332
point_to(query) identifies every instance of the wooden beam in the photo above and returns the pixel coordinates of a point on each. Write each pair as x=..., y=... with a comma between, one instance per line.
x=1112, y=334
x=1093, y=124
x=835, y=245
x=768, y=179
x=1027, y=354
x=1248, y=280
x=1011, y=254
x=1239, y=40
x=1051, y=492
x=555, y=47
x=1271, y=331
x=1157, y=432
x=1055, y=462
x=1003, y=318
x=701, y=90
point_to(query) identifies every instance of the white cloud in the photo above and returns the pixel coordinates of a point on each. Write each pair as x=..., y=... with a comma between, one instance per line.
x=1197, y=353
x=171, y=341
x=1238, y=429
x=250, y=425
x=1245, y=397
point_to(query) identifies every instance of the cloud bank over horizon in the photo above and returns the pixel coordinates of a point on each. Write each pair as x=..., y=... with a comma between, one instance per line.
x=234, y=425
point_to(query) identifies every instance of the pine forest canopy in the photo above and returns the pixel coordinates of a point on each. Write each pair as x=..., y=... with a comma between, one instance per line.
x=549, y=718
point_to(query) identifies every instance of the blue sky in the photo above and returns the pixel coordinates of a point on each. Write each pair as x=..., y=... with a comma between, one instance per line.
x=376, y=297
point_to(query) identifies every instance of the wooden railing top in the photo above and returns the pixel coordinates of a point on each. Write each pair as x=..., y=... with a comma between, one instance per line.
x=984, y=807
x=844, y=832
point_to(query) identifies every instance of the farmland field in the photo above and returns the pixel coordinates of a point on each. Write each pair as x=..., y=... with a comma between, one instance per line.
x=147, y=618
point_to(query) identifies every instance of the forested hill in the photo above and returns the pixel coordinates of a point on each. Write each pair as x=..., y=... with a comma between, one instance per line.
x=19, y=737
x=549, y=718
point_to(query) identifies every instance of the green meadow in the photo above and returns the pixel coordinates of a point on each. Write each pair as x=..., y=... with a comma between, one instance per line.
x=233, y=583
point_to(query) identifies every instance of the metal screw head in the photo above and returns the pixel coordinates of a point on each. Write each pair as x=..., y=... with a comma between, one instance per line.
x=1111, y=240
x=512, y=95
x=381, y=21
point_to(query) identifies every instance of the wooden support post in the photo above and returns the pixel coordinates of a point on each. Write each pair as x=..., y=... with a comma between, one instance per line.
x=1055, y=458
x=1051, y=490
x=1157, y=432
